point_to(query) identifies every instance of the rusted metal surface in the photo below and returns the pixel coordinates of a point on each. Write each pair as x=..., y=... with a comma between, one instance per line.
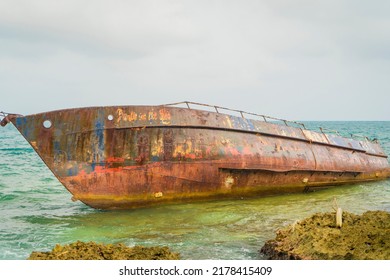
x=132, y=156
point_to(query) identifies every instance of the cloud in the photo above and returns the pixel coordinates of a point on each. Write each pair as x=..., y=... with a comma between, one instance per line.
x=274, y=57
x=124, y=28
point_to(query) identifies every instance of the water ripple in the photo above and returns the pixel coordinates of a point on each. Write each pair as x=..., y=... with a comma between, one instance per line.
x=37, y=212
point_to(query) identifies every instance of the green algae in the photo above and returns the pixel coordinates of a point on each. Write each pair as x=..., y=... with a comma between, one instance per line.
x=361, y=237
x=93, y=251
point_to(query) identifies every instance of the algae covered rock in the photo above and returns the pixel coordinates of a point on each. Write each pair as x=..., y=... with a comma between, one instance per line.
x=361, y=237
x=93, y=251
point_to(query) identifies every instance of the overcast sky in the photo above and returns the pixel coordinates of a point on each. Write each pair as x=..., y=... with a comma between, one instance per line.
x=300, y=60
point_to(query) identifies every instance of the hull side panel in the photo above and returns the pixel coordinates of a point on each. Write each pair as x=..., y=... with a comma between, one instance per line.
x=124, y=157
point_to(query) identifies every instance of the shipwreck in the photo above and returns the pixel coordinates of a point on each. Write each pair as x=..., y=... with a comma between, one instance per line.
x=120, y=157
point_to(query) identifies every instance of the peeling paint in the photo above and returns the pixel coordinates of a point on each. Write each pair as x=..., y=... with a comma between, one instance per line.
x=180, y=154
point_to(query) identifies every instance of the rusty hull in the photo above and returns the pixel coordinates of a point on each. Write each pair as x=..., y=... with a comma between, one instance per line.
x=132, y=156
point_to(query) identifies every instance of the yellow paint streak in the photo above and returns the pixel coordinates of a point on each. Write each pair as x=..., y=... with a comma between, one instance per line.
x=178, y=150
x=152, y=116
x=123, y=116
x=156, y=147
x=189, y=148
x=229, y=122
x=165, y=116
x=142, y=117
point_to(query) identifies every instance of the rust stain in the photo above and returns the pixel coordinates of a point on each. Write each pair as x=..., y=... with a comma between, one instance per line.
x=135, y=156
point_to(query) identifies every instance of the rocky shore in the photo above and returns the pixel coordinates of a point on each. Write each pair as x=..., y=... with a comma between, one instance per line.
x=93, y=251
x=361, y=237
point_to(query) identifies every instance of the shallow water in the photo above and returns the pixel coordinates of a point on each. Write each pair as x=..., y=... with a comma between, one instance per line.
x=36, y=211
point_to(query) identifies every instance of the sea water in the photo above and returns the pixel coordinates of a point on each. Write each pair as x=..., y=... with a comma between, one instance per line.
x=36, y=211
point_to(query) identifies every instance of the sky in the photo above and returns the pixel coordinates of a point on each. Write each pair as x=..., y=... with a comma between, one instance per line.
x=297, y=60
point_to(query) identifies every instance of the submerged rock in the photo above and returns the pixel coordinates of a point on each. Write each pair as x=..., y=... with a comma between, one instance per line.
x=93, y=251
x=361, y=237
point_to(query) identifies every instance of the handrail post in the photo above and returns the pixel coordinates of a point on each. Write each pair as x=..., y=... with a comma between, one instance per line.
x=326, y=137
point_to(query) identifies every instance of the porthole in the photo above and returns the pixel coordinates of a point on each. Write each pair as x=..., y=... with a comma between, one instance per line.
x=47, y=124
x=110, y=117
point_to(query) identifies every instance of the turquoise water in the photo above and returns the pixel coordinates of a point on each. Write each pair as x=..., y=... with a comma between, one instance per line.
x=36, y=211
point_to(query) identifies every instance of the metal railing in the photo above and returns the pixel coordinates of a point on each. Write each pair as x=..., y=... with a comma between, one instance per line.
x=242, y=113
x=266, y=118
x=329, y=130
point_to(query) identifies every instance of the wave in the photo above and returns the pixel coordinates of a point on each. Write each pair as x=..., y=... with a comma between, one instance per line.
x=7, y=197
x=17, y=149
